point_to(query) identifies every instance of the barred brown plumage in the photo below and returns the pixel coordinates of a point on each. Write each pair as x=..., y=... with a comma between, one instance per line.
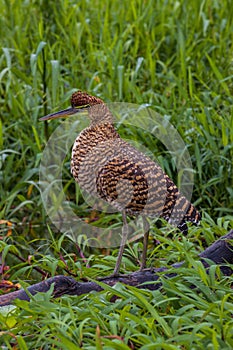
x=110, y=168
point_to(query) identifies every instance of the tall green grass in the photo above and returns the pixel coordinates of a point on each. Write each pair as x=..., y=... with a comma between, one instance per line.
x=176, y=56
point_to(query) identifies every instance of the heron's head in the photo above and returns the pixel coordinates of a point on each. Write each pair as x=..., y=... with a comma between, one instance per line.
x=80, y=101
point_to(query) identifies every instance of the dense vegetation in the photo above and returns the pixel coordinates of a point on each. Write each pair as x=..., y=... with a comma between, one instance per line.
x=176, y=56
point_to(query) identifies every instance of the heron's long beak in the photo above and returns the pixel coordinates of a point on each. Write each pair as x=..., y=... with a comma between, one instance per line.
x=65, y=113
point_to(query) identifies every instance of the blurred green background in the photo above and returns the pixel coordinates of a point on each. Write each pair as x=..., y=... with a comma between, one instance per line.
x=175, y=56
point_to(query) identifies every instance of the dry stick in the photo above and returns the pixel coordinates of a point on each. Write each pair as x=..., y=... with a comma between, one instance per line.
x=45, y=274
x=220, y=252
x=66, y=267
x=82, y=255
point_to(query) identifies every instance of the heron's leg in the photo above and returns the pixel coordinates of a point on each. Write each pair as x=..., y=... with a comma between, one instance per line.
x=125, y=232
x=146, y=228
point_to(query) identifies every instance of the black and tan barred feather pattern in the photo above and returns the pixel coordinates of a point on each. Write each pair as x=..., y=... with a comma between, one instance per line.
x=110, y=168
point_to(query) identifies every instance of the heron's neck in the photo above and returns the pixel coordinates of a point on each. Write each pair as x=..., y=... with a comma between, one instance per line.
x=88, y=140
x=102, y=131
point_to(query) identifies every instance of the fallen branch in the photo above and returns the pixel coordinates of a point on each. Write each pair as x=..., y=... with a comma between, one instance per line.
x=220, y=253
